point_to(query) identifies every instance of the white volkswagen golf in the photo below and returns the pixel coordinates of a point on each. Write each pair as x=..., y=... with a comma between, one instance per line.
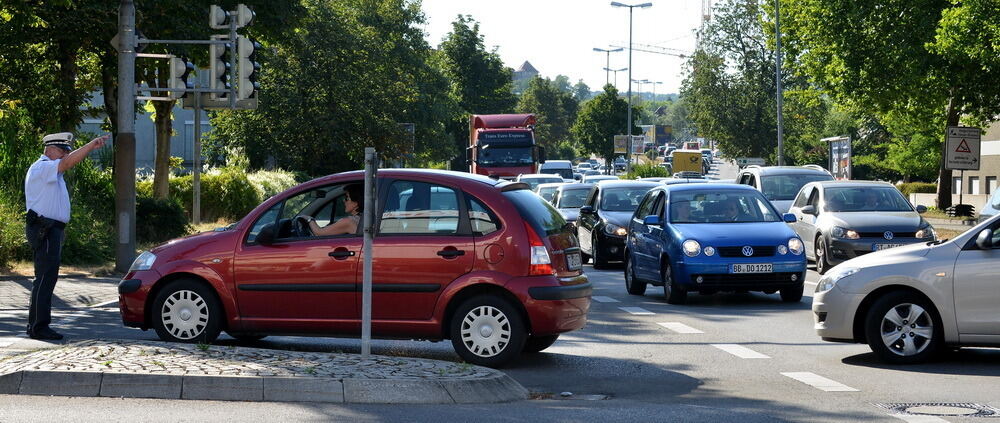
x=908, y=302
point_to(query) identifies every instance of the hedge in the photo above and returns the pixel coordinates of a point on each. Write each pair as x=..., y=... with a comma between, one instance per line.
x=908, y=188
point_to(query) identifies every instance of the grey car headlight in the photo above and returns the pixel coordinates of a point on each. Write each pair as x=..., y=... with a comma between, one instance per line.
x=143, y=262
x=844, y=233
x=926, y=233
x=828, y=281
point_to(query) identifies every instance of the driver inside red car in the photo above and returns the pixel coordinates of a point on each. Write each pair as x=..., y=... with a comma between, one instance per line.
x=354, y=202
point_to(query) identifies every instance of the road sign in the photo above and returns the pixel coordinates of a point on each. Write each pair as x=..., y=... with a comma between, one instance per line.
x=840, y=157
x=747, y=161
x=962, y=148
x=621, y=144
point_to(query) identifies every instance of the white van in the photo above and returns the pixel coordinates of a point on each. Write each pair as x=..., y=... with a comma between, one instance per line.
x=563, y=168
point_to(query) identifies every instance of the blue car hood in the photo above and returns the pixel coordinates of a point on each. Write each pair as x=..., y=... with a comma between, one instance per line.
x=735, y=234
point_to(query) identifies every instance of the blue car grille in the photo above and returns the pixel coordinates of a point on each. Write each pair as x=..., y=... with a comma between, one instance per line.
x=758, y=251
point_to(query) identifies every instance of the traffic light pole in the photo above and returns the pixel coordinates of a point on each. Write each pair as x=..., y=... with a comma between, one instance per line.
x=125, y=140
x=196, y=177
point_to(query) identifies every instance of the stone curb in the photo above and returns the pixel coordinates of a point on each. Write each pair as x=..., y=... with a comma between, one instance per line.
x=493, y=389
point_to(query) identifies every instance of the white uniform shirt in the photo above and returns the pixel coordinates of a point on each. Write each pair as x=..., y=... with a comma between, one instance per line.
x=45, y=190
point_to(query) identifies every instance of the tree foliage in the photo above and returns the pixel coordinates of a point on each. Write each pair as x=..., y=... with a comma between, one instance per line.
x=343, y=81
x=555, y=110
x=599, y=120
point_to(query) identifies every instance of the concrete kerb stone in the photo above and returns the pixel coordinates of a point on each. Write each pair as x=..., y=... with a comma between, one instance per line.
x=118, y=369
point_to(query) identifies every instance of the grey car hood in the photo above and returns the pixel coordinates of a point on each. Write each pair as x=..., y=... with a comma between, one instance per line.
x=875, y=221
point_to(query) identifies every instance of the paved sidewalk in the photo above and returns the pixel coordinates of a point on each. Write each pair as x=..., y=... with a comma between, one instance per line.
x=70, y=292
x=207, y=372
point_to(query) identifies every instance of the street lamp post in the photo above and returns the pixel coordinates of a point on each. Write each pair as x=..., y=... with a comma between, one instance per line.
x=607, y=66
x=628, y=126
x=655, y=83
x=777, y=79
x=616, y=74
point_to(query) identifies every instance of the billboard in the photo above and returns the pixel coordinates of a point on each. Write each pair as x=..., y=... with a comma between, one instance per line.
x=840, y=157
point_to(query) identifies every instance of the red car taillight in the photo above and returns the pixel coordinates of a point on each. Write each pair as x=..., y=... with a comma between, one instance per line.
x=541, y=263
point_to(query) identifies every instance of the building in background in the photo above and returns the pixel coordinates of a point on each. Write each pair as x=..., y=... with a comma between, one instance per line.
x=523, y=75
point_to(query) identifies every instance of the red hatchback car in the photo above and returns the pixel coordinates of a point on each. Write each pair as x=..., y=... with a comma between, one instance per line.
x=485, y=263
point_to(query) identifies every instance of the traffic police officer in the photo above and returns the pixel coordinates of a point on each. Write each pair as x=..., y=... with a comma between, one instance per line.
x=47, y=202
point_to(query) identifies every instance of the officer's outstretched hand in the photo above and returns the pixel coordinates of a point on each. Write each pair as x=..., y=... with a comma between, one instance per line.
x=99, y=141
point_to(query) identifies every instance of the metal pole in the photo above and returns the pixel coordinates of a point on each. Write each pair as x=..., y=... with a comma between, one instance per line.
x=607, y=67
x=628, y=126
x=232, y=59
x=196, y=180
x=125, y=141
x=371, y=163
x=777, y=78
x=961, y=185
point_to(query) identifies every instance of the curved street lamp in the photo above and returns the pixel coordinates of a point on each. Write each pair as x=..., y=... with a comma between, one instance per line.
x=628, y=126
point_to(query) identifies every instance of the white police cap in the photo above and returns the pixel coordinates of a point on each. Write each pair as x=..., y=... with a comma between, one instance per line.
x=63, y=140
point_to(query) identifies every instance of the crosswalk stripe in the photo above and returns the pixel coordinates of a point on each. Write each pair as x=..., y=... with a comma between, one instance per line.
x=679, y=327
x=638, y=311
x=739, y=351
x=819, y=382
x=603, y=299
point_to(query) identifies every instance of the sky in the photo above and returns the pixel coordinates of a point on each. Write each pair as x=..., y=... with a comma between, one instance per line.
x=558, y=36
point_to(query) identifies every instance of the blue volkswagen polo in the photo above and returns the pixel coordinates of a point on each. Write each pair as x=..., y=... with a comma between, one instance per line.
x=709, y=238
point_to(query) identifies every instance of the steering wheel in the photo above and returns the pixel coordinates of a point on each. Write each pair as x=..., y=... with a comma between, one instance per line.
x=300, y=226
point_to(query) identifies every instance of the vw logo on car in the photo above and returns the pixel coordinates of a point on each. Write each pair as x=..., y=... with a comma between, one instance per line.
x=747, y=250
x=887, y=235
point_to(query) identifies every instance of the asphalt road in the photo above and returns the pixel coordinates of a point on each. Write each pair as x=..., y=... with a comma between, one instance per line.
x=719, y=358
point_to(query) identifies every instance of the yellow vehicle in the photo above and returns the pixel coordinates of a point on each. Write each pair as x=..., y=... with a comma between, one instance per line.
x=686, y=161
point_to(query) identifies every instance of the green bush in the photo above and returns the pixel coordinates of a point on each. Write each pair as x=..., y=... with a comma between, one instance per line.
x=159, y=220
x=12, y=243
x=271, y=182
x=89, y=236
x=917, y=188
x=642, y=170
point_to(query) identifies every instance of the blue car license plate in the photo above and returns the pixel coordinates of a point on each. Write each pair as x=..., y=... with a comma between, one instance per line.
x=751, y=268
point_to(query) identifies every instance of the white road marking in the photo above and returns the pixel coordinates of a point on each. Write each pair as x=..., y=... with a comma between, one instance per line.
x=104, y=304
x=918, y=419
x=638, y=311
x=739, y=351
x=603, y=299
x=679, y=327
x=819, y=382
x=6, y=341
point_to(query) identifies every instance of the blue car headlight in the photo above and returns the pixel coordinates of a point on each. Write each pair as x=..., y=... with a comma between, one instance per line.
x=795, y=246
x=830, y=280
x=691, y=248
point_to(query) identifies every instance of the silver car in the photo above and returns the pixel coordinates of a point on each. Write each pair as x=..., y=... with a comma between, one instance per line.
x=840, y=220
x=907, y=303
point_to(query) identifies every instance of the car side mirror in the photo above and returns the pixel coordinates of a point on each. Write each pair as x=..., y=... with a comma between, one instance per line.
x=266, y=235
x=921, y=209
x=587, y=210
x=651, y=220
x=789, y=218
x=810, y=209
x=985, y=239
x=468, y=156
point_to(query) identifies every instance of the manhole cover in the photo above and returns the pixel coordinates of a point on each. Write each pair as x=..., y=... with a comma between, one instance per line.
x=955, y=409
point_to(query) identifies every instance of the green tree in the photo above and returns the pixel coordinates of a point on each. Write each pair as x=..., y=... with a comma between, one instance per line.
x=599, y=120
x=581, y=92
x=912, y=58
x=343, y=81
x=480, y=83
x=554, y=109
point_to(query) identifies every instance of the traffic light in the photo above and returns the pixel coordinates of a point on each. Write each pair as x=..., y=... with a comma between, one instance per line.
x=243, y=15
x=219, y=66
x=249, y=68
x=218, y=18
x=180, y=71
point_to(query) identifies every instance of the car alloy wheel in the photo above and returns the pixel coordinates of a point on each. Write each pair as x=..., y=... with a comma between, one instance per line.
x=821, y=264
x=487, y=331
x=901, y=327
x=671, y=290
x=632, y=285
x=187, y=311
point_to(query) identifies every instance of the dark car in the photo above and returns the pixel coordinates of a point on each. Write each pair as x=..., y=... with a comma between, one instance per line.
x=840, y=220
x=569, y=198
x=485, y=263
x=604, y=218
x=709, y=238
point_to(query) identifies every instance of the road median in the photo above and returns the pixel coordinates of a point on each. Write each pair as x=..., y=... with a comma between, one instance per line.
x=144, y=369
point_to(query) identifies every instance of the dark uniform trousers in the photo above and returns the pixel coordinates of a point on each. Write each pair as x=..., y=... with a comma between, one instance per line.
x=45, y=237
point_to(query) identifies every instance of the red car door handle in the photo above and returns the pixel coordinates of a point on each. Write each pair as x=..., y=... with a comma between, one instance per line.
x=341, y=254
x=451, y=253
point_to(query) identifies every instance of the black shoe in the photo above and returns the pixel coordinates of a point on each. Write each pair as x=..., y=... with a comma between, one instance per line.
x=45, y=334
